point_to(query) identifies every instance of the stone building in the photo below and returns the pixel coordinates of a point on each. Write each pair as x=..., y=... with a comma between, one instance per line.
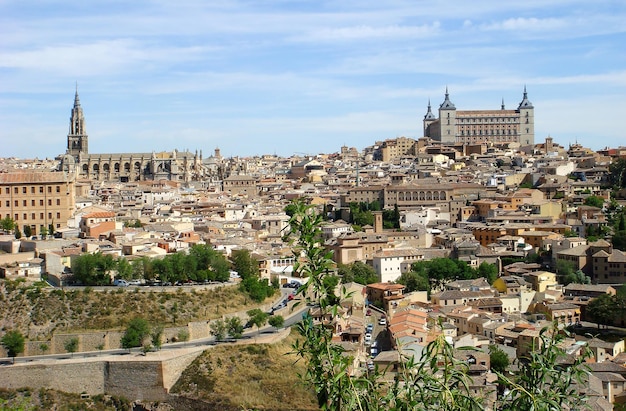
x=37, y=199
x=475, y=126
x=182, y=166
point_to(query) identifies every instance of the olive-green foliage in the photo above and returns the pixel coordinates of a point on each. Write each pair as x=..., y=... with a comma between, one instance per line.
x=138, y=329
x=357, y=272
x=71, y=345
x=13, y=341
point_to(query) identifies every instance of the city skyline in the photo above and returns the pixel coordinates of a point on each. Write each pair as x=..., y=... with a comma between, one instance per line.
x=301, y=77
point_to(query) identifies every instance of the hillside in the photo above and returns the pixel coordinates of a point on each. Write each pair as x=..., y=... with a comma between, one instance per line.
x=38, y=312
x=254, y=376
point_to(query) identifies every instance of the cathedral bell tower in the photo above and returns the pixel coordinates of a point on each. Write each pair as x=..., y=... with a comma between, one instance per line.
x=77, y=140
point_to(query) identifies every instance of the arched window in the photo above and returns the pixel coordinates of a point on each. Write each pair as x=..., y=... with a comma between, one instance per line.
x=116, y=167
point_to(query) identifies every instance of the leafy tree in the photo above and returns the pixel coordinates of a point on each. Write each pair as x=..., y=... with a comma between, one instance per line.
x=124, y=269
x=602, y=309
x=244, y=264
x=138, y=329
x=43, y=231
x=156, y=335
x=28, y=232
x=276, y=321
x=71, y=345
x=488, y=271
x=415, y=281
x=93, y=269
x=258, y=318
x=594, y=201
x=219, y=329
x=498, y=359
x=7, y=224
x=18, y=233
x=577, y=277
x=570, y=233
x=617, y=171
x=564, y=268
x=51, y=229
x=621, y=226
x=44, y=347
x=234, y=327
x=357, y=272
x=13, y=342
x=290, y=209
x=619, y=240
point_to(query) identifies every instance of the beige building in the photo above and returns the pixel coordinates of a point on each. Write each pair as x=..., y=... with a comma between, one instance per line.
x=37, y=199
x=481, y=126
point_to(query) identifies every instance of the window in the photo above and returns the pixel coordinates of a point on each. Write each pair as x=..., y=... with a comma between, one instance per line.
x=49, y=189
x=16, y=203
x=15, y=217
x=24, y=203
x=41, y=189
x=49, y=201
x=32, y=216
x=41, y=216
x=32, y=203
x=23, y=190
x=8, y=203
x=58, y=189
x=58, y=216
x=16, y=190
x=25, y=216
x=50, y=216
x=41, y=203
x=32, y=190
x=58, y=201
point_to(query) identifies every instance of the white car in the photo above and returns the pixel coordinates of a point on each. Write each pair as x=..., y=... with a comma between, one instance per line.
x=382, y=321
x=120, y=283
x=368, y=339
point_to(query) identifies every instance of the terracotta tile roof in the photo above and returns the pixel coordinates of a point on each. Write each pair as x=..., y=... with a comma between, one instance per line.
x=100, y=214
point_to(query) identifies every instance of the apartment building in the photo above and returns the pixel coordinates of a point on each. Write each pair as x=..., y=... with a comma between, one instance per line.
x=37, y=199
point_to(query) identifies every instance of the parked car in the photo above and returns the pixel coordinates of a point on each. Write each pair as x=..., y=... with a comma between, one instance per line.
x=369, y=328
x=134, y=282
x=382, y=321
x=368, y=312
x=368, y=339
x=120, y=283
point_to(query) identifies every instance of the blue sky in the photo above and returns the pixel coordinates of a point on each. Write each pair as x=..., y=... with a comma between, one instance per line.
x=298, y=76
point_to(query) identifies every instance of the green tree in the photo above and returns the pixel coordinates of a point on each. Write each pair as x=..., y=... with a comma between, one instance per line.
x=28, y=231
x=594, y=201
x=564, y=268
x=156, y=336
x=71, y=345
x=617, y=171
x=619, y=240
x=93, y=269
x=43, y=231
x=13, y=341
x=276, y=321
x=414, y=281
x=218, y=329
x=7, y=224
x=258, y=318
x=136, y=331
x=234, y=327
x=18, y=233
x=488, y=271
x=44, y=347
x=498, y=359
x=577, y=277
x=51, y=230
x=244, y=264
x=602, y=309
x=124, y=269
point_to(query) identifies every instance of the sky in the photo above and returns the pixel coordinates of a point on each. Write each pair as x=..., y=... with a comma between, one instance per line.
x=301, y=77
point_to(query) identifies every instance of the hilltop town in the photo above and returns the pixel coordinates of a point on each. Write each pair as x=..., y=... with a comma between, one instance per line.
x=535, y=231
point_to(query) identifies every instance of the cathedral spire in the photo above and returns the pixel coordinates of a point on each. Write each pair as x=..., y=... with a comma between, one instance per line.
x=502, y=106
x=77, y=140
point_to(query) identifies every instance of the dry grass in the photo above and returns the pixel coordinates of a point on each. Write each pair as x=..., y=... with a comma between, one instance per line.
x=38, y=313
x=255, y=376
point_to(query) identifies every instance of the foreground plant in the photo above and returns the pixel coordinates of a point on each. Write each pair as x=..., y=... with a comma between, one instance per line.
x=437, y=380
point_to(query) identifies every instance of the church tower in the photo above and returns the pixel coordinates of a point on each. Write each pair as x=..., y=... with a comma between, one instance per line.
x=77, y=140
